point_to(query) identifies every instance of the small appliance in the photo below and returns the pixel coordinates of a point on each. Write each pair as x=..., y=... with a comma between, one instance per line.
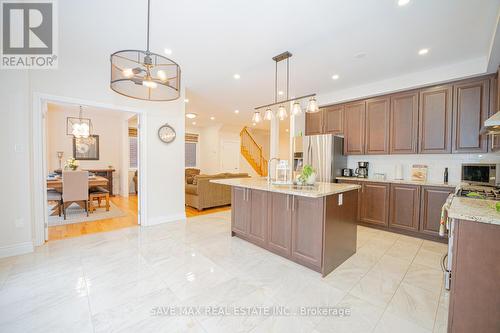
x=346, y=172
x=481, y=174
x=362, y=170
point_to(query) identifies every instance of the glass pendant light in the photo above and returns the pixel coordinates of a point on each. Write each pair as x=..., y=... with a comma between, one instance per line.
x=296, y=109
x=282, y=113
x=256, y=117
x=268, y=115
x=312, y=106
x=78, y=127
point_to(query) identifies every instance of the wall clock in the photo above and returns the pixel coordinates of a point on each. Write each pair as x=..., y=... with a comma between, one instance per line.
x=166, y=133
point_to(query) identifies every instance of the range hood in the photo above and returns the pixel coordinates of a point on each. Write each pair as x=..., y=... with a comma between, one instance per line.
x=492, y=124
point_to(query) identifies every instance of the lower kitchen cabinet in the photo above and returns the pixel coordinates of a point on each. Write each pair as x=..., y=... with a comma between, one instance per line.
x=374, y=203
x=433, y=199
x=241, y=210
x=258, y=220
x=307, y=226
x=404, y=207
x=280, y=223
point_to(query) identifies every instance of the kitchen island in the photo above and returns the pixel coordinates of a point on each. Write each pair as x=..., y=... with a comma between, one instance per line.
x=312, y=226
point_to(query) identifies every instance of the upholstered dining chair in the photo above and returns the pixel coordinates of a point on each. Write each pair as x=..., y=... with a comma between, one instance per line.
x=75, y=189
x=54, y=196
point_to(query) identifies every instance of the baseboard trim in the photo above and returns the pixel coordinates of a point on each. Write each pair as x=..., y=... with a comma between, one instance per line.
x=16, y=249
x=166, y=219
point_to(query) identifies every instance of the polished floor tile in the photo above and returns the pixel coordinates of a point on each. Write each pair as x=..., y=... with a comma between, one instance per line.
x=116, y=281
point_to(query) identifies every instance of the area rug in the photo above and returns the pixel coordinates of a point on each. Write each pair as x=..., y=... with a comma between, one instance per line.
x=75, y=214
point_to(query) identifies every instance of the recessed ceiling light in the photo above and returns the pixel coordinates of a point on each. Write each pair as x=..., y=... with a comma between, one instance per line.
x=191, y=115
x=212, y=118
x=360, y=55
x=236, y=111
x=186, y=100
x=335, y=77
x=254, y=124
x=286, y=130
x=236, y=76
x=403, y=2
x=194, y=123
x=168, y=51
x=423, y=51
x=280, y=92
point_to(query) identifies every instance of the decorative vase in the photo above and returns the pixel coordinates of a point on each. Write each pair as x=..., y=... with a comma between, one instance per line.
x=311, y=179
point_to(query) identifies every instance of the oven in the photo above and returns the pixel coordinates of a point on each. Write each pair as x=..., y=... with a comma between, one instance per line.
x=481, y=174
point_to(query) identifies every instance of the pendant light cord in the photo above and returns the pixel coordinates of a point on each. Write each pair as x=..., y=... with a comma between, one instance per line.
x=149, y=6
x=276, y=83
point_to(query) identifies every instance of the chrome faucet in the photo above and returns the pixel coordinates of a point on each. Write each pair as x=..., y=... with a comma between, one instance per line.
x=269, y=169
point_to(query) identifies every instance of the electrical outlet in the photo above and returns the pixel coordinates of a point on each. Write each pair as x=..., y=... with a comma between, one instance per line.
x=341, y=199
x=20, y=223
x=19, y=148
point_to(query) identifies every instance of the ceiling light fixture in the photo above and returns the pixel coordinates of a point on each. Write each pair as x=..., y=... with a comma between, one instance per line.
x=236, y=76
x=335, y=77
x=194, y=123
x=256, y=118
x=191, y=115
x=186, y=100
x=281, y=112
x=168, y=51
x=423, y=51
x=236, y=111
x=79, y=127
x=403, y=2
x=212, y=118
x=145, y=75
x=254, y=124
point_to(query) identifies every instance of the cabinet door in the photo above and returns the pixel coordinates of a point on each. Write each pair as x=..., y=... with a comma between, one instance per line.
x=257, y=229
x=333, y=119
x=470, y=110
x=403, y=126
x=374, y=203
x=354, y=128
x=240, y=211
x=377, y=126
x=494, y=140
x=280, y=220
x=433, y=199
x=404, y=207
x=314, y=123
x=307, y=230
x=435, y=124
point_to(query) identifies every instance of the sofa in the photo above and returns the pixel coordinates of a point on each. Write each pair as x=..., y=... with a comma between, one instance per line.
x=201, y=193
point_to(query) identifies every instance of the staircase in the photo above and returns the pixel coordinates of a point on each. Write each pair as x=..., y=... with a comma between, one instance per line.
x=252, y=152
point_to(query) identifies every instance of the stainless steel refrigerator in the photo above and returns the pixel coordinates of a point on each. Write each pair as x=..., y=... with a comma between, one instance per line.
x=325, y=153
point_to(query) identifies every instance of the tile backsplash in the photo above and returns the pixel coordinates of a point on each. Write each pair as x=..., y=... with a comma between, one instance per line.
x=436, y=164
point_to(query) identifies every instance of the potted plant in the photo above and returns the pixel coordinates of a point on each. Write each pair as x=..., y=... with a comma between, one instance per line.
x=308, y=176
x=71, y=164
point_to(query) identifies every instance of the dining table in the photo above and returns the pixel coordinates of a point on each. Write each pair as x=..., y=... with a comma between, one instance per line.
x=56, y=183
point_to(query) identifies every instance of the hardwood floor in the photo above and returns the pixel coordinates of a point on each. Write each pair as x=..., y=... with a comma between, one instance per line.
x=129, y=206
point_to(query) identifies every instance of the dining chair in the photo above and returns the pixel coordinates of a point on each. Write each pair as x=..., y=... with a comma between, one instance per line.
x=54, y=196
x=98, y=193
x=75, y=185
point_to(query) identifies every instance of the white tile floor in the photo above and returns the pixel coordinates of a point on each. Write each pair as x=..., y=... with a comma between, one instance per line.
x=110, y=282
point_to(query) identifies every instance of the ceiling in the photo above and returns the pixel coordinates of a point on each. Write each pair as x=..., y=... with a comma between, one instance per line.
x=214, y=39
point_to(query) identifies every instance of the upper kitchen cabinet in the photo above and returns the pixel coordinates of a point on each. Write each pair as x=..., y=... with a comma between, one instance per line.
x=403, y=126
x=333, y=119
x=354, y=128
x=314, y=123
x=494, y=140
x=435, y=120
x=377, y=126
x=470, y=110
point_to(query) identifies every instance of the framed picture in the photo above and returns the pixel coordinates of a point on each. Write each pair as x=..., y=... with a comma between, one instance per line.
x=86, y=148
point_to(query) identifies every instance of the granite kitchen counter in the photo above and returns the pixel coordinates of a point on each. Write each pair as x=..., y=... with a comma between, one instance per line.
x=397, y=181
x=317, y=191
x=479, y=210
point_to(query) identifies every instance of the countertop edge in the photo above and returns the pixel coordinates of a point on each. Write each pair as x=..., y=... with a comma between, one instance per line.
x=396, y=181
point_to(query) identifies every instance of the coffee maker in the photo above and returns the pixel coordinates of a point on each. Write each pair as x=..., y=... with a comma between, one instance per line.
x=362, y=170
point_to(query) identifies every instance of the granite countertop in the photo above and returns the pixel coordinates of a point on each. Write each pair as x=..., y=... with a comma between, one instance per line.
x=479, y=210
x=317, y=191
x=397, y=181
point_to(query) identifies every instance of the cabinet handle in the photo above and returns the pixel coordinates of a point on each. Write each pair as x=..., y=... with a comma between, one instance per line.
x=293, y=203
x=287, y=202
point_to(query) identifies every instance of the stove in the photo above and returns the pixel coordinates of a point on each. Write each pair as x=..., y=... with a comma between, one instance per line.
x=479, y=192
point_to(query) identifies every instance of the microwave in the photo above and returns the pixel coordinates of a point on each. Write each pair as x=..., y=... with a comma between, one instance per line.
x=481, y=174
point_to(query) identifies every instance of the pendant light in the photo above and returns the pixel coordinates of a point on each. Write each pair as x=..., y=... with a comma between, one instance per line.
x=145, y=75
x=78, y=127
x=281, y=112
x=256, y=117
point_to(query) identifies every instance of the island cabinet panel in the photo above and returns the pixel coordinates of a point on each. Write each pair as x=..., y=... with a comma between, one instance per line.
x=333, y=119
x=435, y=120
x=314, y=123
x=377, y=126
x=374, y=203
x=403, y=134
x=354, y=128
x=404, y=207
x=240, y=212
x=307, y=230
x=470, y=110
x=280, y=223
x=433, y=199
x=257, y=228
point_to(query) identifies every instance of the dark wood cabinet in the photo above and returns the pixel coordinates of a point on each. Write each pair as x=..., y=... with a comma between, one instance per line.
x=377, y=126
x=280, y=223
x=240, y=213
x=333, y=119
x=354, y=128
x=374, y=203
x=470, y=110
x=403, y=133
x=307, y=226
x=257, y=227
x=433, y=199
x=314, y=123
x=494, y=140
x=435, y=120
x=404, y=207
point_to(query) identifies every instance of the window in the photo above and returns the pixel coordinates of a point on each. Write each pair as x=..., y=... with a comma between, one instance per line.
x=190, y=154
x=133, y=152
